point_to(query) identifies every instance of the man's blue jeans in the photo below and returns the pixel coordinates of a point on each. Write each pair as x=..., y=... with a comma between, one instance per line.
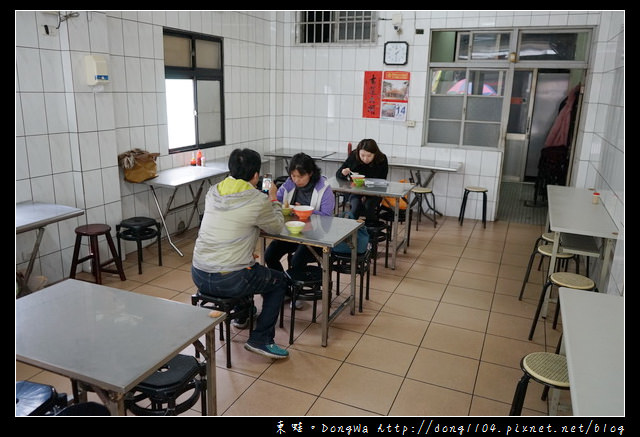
x=257, y=279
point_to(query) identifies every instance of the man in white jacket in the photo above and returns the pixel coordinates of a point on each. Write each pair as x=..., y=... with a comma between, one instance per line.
x=223, y=262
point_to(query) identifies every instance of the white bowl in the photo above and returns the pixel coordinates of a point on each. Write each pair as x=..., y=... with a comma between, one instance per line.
x=295, y=227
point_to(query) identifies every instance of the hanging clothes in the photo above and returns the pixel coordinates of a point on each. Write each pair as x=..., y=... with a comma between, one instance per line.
x=559, y=132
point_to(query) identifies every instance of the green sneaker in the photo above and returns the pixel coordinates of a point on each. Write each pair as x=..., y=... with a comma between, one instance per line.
x=268, y=350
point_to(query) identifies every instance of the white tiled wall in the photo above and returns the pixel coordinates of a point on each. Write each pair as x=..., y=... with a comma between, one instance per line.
x=68, y=135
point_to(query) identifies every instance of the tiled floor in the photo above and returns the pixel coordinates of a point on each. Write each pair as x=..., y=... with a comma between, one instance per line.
x=441, y=335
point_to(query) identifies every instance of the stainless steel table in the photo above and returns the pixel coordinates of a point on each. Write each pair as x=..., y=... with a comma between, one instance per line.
x=36, y=216
x=326, y=232
x=593, y=341
x=110, y=339
x=177, y=177
x=571, y=210
x=396, y=190
x=287, y=152
x=413, y=165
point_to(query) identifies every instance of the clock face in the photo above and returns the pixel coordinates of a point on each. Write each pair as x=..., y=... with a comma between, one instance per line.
x=395, y=53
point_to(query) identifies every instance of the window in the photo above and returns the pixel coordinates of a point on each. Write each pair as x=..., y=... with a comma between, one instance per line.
x=193, y=82
x=465, y=106
x=336, y=26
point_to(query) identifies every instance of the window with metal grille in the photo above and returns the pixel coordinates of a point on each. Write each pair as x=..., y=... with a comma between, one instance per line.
x=336, y=26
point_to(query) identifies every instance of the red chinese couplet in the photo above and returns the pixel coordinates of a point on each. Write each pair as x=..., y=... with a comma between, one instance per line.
x=371, y=94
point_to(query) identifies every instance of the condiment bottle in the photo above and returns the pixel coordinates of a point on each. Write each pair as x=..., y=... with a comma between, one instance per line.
x=199, y=158
x=193, y=158
x=349, y=149
x=596, y=198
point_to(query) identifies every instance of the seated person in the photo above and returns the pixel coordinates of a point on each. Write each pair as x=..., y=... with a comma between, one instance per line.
x=368, y=160
x=304, y=186
x=223, y=262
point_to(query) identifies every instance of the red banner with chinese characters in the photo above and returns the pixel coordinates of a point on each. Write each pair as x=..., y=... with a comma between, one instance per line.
x=371, y=94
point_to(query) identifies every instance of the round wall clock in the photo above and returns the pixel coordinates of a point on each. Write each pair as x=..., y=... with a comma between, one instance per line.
x=396, y=52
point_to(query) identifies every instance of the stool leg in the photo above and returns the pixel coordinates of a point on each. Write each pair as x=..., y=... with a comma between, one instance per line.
x=463, y=206
x=115, y=256
x=539, y=308
x=433, y=199
x=96, y=268
x=526, y=276
x=519, y=395
x=484, y=210
x=139, y=247
x=74, y=259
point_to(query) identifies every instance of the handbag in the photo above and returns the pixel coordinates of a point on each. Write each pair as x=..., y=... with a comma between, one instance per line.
x=390, y=202
x=138, y=165
x=363, y=239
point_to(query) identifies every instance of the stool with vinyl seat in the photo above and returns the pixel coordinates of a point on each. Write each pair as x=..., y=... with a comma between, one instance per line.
x=341, y=263
x=139, y=229
x=305, y=285
x=34, y=399
x=560, y=279
x=85, y=409
x=471, y=189
x=420, y=193
x=234, y=307
x=545, y=250
x=546, y=368
x=158, y=394
x=379, y=232
x=94, y=231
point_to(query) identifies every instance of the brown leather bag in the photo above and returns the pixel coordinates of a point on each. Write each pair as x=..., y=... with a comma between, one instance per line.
x=138, y=165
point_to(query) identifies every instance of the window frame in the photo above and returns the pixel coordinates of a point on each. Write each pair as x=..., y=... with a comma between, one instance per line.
x=196, y=74
x=336, y=21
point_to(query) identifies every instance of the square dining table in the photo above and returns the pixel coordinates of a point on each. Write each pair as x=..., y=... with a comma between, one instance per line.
x=32, y=216
x=593, y=338
x=177, y=177
x=326, y=232
x=381, y=188
x=109, y=339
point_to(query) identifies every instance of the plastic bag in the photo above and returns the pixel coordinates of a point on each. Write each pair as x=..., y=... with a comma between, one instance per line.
x=138, y=165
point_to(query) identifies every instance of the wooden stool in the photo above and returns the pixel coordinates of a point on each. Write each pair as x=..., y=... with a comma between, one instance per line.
x=421, y=192
x=561, y=279
x=93, y=231
x=546, y=368
x=468, y=190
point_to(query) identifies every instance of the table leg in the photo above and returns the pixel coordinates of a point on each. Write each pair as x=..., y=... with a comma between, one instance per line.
x=34, y=254
x=164, y=225
x=354, y=261
x=210, y=356
x=326, y=294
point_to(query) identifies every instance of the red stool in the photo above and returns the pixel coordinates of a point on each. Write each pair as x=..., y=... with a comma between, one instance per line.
x=94, y=231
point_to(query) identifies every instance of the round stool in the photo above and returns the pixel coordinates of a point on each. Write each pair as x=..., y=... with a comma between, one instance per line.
x=561, y=279
x=306, y=284
x=139, y=229
x=546, y=368
x=420, y=193
x=468, y=190
x=158, y=395
x=546, y=250
x=93, y=231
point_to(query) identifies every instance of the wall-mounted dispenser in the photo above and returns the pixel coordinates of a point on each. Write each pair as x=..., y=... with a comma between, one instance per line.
x=97, y=70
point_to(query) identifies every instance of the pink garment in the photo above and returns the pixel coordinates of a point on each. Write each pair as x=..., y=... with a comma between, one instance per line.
x=559, y=132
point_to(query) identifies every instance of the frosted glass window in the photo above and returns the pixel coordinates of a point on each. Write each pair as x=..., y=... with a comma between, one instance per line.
x=446, y=107
x=207, y=54
x=209, y=112
x=177, y=51
x=445, y=132
x=484, y=109
x=481, y=134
